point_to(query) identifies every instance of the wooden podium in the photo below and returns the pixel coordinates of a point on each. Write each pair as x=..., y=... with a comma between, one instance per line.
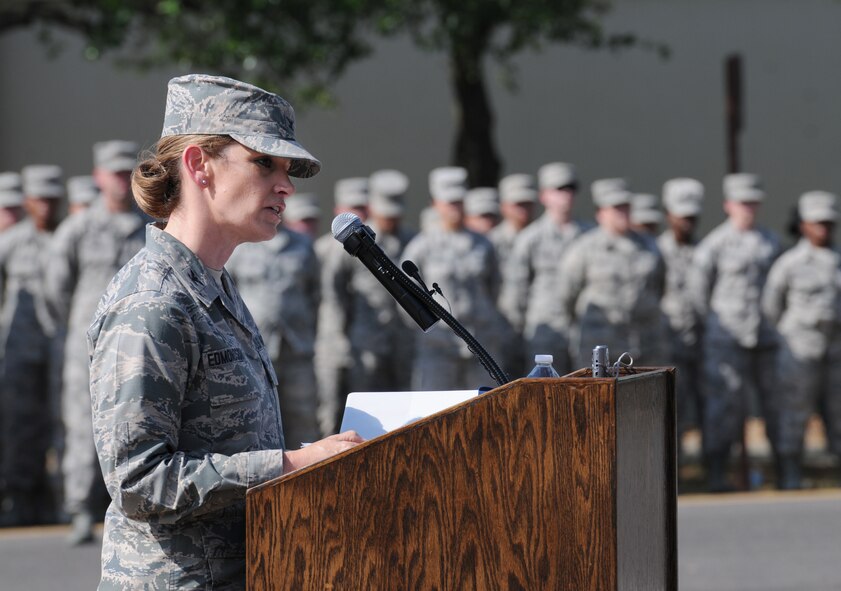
x=540, y=484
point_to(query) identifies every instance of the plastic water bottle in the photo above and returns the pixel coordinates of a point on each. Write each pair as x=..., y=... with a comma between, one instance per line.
x=543, y=368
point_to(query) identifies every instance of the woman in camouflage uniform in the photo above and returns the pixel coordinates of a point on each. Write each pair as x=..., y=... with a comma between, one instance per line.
x=185, y=413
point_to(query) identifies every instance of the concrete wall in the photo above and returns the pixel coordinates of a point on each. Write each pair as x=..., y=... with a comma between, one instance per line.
x=613, y=114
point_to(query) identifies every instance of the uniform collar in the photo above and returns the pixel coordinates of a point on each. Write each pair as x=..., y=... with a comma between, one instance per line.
x=192, y=272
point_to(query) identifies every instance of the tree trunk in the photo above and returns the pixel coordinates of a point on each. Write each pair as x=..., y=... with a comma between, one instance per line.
x=474, y=147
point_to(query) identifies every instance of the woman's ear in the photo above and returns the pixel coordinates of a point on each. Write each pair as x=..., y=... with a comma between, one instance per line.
x=194, y=160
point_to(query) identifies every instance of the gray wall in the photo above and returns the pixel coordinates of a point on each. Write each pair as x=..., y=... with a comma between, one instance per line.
x=613, y=114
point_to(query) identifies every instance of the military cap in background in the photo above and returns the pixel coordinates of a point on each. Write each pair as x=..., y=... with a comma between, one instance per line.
x=481, y=201
x=351, y=192
x=518, y=188
x=448, y=183
x=216, y=105
x=115, y=155
x=302, y=206
x=557, y=175
x=43, y=180
x=11, y=189
x=683, y=197
x=610, y=192
x=386, y=189
x=645, y=209
x=82, y=189
x=744, y=187
x=818, y=206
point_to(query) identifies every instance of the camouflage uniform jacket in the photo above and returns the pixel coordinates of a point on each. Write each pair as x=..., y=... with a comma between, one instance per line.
x=802, y=298
x=464, y=264
x=503, y=236
x=86, y=251
x=280, y=281
x=609, y=280
x=677, y=303
x=186, y=418
x=24, y=316
x=728, y=273
x=532, y=273
x=356, y=308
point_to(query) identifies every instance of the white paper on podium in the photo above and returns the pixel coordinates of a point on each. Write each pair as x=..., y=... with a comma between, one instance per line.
x=372, y=414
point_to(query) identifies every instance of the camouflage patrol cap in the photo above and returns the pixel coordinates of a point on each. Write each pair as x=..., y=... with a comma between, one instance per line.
x=448, y=183
x=81, y=189
x=556, y=175
x=42, y=180
x=611, y=192
x=645, y=209
x=743, y=187
x=351, y=192
x=481, y=201
x=683, y=197
x=518, y=188
x=386, y=191
x=302, y=206
x=115, y=155
x=818, y=206
x=11, y=190
x=259, y=120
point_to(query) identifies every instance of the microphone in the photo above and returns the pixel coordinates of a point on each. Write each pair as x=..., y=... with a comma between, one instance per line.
x=358, y=240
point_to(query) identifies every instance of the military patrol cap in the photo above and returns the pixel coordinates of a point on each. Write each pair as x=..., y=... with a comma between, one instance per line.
x=743, y=187
x=81, y=189
x=683, y=196
x=818, y=206
x=351, y=192
x=645, y=210
x=448, y=183
x=115, y=155
x=386, y=189
x=610, y=192
x=557, y=175
x=388, y=182
x=216, y=105
x=302, y=206
x=11, y=190
x=43, y=180
x=518, y=188
x=481, y=201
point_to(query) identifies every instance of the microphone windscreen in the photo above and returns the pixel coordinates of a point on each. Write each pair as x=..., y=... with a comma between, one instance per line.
x=343, y=225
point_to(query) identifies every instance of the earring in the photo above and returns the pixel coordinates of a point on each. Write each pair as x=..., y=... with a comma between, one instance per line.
x=204, y=181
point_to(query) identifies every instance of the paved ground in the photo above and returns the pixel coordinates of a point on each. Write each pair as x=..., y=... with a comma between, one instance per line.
x=741, y=542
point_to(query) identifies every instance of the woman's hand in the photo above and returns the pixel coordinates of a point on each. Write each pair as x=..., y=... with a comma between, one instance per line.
x=320, y=450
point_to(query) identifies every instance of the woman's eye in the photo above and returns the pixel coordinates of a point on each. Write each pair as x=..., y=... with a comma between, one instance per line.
x=264, y=162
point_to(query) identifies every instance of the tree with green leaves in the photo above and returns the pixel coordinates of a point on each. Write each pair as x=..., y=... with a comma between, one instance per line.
x=305, y=45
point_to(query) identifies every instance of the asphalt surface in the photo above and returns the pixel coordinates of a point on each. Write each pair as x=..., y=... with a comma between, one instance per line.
x=761, y=541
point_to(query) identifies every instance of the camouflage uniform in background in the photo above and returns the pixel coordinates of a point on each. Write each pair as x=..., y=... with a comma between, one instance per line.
x=332, y=355
x=464, y=265
x=728, y=272
x=802, y=298
x=32, y=371
x=684, y=338
x=363, y=317
x=609, y=292
x=682, y=198
x=86, y=252
x=186, y=419
x=280, y=283
x=530, y=289
x=611, y=283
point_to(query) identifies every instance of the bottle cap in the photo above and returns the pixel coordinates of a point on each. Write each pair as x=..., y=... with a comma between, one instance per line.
x=543, y=359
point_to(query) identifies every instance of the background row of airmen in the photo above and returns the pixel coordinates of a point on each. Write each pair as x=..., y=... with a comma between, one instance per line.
x=732, y=316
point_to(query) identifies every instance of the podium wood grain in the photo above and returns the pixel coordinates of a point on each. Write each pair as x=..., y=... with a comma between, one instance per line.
x=515, y=489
